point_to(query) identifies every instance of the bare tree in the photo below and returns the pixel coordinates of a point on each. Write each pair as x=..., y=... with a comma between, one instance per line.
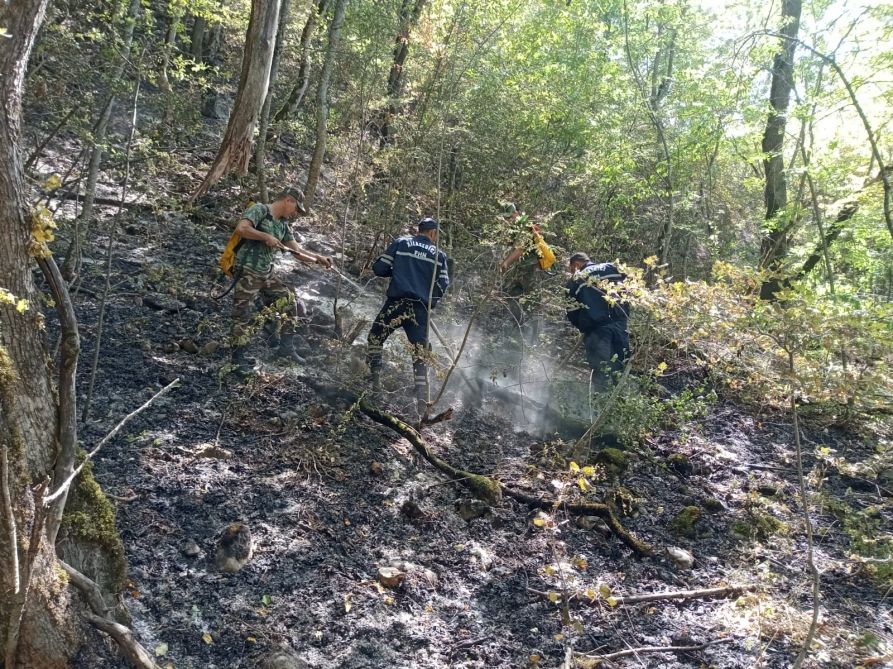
x=322, y=101
x=235, y=149
x=260, y=150
x=410, y=11
x=300, y=88
x=774, y=245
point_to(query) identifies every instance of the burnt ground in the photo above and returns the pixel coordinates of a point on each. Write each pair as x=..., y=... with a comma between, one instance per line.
x=324, y=518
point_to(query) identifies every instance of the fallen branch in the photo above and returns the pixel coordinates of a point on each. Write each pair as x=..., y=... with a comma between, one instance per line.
x=62, y=488
x=105, y=201
x=131, y=648
x=586, y=661
x=491, y=491
x=705, y=593
x=483, y=487
x=88, y=588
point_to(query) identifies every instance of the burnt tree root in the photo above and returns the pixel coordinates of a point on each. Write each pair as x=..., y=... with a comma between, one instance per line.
x=492, y=491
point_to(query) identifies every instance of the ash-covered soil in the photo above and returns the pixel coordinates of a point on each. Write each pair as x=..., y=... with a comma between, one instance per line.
x=330, y=497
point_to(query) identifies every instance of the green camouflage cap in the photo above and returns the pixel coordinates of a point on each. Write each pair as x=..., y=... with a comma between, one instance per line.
x=296, y=194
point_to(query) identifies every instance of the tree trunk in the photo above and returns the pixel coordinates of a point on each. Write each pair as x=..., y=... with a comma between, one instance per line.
x=322, y=102
x=235, y=149
x=36, y=628
x=259, y=155
x=774, y=246
x=300, y=88
x=72, y=258
x=197, y=39
x=170, y=43
x=409, y=16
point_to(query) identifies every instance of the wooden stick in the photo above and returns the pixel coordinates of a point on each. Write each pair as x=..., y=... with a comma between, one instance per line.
x=587, y=661
x=705, y=593
x=62, y=488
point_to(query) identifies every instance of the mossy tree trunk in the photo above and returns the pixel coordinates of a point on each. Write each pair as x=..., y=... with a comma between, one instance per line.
x=36, y=628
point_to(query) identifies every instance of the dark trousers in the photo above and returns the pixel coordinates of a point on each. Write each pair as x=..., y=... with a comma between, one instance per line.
x=412, y=316
x=607, y=348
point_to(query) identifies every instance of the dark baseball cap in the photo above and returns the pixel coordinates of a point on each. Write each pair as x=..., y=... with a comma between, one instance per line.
x=296, y=194
x=579, y=256
x=428, y=224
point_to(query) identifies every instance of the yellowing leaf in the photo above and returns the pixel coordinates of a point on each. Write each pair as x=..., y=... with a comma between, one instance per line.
x=553, y=597
x=581, y=564
x=604, y=590
x=207, y=638
x=161, y=649
x=347, y=604
x=550, y=570
x=53, y=183
x=583, y=484
x=588, y=470
x=388, y=600
x=251, y=639
x=559, y=637
x=611, y=601
x=591, y=594
x=22, y=306
x=574, y=467
x=539, y=522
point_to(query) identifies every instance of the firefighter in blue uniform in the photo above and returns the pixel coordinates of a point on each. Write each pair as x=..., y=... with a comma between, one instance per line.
x=602, y=321
x=419, y=278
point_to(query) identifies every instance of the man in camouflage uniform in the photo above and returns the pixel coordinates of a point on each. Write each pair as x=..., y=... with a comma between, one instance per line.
x=521, y=265
x=264, y=229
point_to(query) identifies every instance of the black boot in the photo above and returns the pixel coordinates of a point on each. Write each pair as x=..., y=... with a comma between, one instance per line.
x=375, y=381
x=286, y=350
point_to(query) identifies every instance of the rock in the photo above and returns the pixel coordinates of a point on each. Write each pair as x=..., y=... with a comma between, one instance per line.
x=684, y=522
x=214, y=106
x=713, y=505
x=768, y=489
x=283, y=659
x=188, y=345
x=482, y=556
x=319, y=247
x=375, y=468
x=234, y=548
x=593, y=523
x=390, y=577
x=470, y=508
x=613, y=459
x=171, y=347
x=213, y=452
x=210, y=348
x=412, y=510
x=191, y=549
x=160, y=302
x=679, y=464
x=325, y=289
x=680, y=557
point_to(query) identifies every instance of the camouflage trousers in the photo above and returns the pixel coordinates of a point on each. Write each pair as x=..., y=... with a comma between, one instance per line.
x=279, y=304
